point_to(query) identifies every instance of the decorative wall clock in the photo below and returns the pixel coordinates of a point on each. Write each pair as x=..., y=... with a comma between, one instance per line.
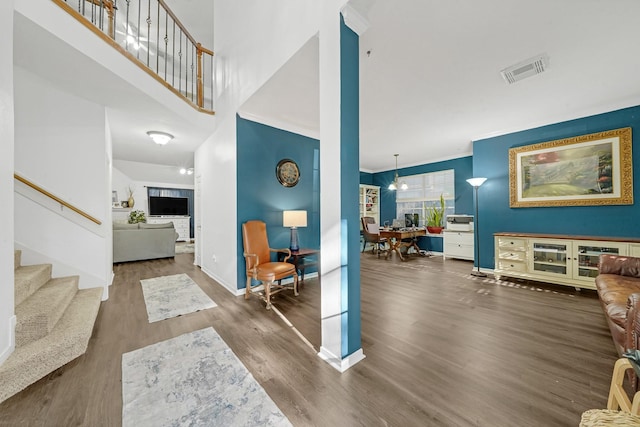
x=287, y=172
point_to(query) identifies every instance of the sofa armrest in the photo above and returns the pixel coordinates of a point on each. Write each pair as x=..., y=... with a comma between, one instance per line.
x=633, y=322
x=620, y=265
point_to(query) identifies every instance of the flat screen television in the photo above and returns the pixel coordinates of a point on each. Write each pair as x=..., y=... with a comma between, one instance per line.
x=164, y=206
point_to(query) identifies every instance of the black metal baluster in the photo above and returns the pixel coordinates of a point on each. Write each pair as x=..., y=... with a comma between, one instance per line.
x=115, y=19
x=101, y=16
x=173, y=57
x=180, y=62
x=126, y=28
x=157, y=40
x=166, y=43
x=148, y=31
x=138, y=30
x=193, y=56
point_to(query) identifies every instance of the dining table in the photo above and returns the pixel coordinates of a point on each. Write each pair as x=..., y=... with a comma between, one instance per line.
x=403, y=238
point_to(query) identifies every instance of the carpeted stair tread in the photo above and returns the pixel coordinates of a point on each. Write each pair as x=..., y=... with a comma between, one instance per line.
x=28, y=279
x=68, y=340
x=38, y=314
x=17, y=256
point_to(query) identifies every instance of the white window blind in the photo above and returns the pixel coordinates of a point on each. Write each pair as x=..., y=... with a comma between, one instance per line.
x=424, y=191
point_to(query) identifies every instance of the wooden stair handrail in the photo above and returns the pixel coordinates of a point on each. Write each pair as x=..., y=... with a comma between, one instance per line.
x=57, y=199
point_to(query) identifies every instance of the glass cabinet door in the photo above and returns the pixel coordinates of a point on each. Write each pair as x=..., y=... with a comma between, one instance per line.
x=550, y=258
x=588, y=255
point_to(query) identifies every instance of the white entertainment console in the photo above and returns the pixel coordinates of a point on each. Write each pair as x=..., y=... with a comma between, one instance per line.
x=181, y=224
x=560, y=259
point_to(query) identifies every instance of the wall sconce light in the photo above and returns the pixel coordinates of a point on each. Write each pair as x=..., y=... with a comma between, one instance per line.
x=160, y=138
x=294, y=219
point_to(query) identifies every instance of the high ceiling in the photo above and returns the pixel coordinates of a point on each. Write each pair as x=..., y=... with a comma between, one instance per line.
x=430, y=79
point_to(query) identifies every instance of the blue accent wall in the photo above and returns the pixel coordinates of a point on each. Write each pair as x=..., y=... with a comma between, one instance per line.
x=463, y=168
x=262, y=197
x=366, y=178
x=491, y=160
x=350, y=180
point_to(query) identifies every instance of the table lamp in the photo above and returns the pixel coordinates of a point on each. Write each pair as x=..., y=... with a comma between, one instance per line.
x=294, y=219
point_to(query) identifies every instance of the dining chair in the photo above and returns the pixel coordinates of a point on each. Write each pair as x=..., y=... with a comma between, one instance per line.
x=259, y=266
x=371, y=234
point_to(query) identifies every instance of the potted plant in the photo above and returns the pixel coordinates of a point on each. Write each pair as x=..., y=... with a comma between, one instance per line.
x=137, y=216
x=435, y=215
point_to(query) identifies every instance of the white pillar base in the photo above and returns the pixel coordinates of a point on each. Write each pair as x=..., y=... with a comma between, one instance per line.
x=341, y=364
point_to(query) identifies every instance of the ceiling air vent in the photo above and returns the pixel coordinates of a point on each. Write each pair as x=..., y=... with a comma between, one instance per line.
x=527, y=68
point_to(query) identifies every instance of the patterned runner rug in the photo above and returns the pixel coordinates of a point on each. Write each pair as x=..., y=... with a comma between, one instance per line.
x=172, y=296
x=193, y=380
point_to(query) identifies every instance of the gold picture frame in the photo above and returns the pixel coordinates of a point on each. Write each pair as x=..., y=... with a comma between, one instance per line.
x=586, y=170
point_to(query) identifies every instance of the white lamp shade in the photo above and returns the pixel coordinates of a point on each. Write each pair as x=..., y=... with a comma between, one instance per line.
x=294, y=218
x=476, y=182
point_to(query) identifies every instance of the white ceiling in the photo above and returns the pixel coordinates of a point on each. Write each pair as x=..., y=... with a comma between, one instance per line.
x=429, y=85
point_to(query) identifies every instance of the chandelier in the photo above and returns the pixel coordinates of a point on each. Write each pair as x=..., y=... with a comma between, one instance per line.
x=396, y=184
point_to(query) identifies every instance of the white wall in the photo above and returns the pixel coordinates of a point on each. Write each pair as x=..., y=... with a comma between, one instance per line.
x=249, y=48
x=59, y=23
x=61, y=146
x=146, y=175
x=7, y=318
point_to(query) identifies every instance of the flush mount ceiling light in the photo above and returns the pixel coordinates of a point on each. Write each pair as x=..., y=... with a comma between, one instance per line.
x=160, y=138
x=395, y=184
x=186, y=171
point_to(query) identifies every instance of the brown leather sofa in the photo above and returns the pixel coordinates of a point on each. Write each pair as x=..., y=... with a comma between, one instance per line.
x=618, y=285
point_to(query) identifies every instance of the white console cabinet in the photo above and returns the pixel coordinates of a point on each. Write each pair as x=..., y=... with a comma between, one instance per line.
x=181, y=224
x=560, y=259
x=458, y=244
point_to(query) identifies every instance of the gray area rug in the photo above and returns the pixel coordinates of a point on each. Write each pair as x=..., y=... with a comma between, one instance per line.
x=193, y=380
x=172, y=296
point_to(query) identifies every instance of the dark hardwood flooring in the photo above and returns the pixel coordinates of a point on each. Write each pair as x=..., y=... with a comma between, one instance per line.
x=443, y=349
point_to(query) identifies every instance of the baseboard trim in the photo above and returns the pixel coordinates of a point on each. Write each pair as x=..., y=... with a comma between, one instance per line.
x=12, y=340
x=236, y=292
x=239, y=292
x=339, y=364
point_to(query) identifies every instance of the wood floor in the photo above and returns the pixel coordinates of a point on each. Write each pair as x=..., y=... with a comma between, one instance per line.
x=443, y=349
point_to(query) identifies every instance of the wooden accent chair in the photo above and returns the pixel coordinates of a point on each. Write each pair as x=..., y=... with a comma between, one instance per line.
x=257, y=254
x=369, y=228
x=621, y=411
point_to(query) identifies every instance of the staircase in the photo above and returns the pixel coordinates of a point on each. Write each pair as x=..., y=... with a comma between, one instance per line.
x=54, y=322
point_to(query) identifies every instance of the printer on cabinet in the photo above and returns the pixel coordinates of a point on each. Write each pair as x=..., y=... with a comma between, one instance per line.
x=460, y=222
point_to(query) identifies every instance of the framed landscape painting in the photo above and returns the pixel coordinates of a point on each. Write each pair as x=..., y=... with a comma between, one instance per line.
x=594, y=169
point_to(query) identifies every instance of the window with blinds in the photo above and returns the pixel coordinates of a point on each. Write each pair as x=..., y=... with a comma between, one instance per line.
x=424, y=191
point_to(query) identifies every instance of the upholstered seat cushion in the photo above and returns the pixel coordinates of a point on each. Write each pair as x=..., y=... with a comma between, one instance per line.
x=275, y=270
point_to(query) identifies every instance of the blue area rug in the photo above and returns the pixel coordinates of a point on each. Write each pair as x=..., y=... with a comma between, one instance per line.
x=171, y=296
x=193, y=380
